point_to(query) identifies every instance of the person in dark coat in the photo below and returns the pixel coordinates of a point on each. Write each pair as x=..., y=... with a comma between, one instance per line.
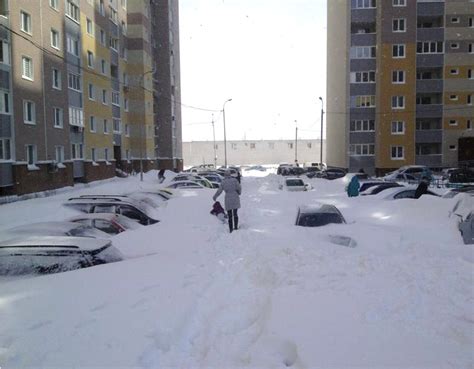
x=422, y=188
x=161, y=175
x=218, y=211
x=353, y=187
x=232, y=189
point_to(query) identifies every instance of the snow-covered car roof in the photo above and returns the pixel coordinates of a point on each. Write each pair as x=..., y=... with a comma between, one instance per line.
x=59, y=229
x=318, y=208
x=196, y=184
x=80, y=243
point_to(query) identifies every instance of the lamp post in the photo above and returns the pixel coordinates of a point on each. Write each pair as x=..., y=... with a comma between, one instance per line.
x=225, y=139
x=214, y=140
x=142, y=81
x=321, y=145
x=296, y=142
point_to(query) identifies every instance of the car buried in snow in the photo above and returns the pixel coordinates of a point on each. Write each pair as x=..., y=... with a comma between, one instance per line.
x=294, y=184
x=318, y=215
x=109, y=223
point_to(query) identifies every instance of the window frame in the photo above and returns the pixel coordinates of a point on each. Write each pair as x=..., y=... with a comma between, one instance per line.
x=397, y=24
x=31, y=111
x=397, y=124
x=58, y=79
x=397, y=157
x=29, y=22
x=30, y=59
x=398, y=47
x=61, y=117
x=55, y=33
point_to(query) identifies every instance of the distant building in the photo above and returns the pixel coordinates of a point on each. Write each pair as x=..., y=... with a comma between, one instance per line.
x=252, y=152
x=87, y=87
x=400, y=86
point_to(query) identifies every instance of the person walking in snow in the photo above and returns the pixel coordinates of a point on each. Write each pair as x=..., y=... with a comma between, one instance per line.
x=353, y=187
x=232, y=190
x=422, y=188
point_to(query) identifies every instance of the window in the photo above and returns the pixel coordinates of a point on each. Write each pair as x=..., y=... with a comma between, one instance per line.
x=90, y=59
x=31, y=156
x=454, y=71
x=72, y=10
x=59, y=154
x=5, y=149
x=72, y=45
x=290, y=145
x=106, y=126
x=127, y=130
x=363, y=52
x=365, y=101
x=398, y=152
x=452, y=147
x=115, y=98
x=454, y=19
x=469, y=99
x=234, y=146
x=3, y=8
x=74, y=82
x=127, y=154
x=398, y=127
x=124, y=28
x=399, y=3
x=469, y=124
x=363, y=77
x=113, y=14
x=58, y=117
x=29, y=114
x=103, y=37
x=429, y=47
x=25, y=20
x=399, y=25
x=362, y=125
x=125, y=104
x=454, y=45
x=398, y=51
x=398, y=102
x=92, y=125
x=125, y=53
x=453, y=122
x=470, y=48
x=453, y=97
x=76, y=117
x=124, y=4
x=55, y=39
x=252, y=146
x=113, y=43
x=398, y=76
x=77, y=151
x=470, y=74
x=104, y=97
x=362, y=150
x=93, y=156
x=91, y=91
x=106, y=154
x=103, y=65
x=27, y=68
x=125, y=79
x=101, y=8
x=4, y=102
x=56, y=79
x=90, y=27
x=471, y=22
x=53, y=4
x=117, y=126
x=365, y=4
x=4, y=52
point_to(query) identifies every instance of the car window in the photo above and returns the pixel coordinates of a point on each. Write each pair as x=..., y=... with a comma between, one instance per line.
x=85, y=231
x=408, y=194
x=105, y=226
x=130, y=212
x=318, y=219
x=86, y=222
x=294, y=182
x=104, y=209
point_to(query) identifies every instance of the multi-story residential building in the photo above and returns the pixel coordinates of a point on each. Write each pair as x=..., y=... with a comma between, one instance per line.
x=400, y=84
x=76, y=91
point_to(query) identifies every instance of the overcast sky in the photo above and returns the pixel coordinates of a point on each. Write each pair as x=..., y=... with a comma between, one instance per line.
x=269, y=56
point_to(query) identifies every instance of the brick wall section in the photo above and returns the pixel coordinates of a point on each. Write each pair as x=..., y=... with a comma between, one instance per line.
x=28, y=181
x=98, y=172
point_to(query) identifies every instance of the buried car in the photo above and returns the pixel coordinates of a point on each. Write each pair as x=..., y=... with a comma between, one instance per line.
x=403, y=193
x=50, y=254
x=109, y=223
x=318, y=215
x=294, y=184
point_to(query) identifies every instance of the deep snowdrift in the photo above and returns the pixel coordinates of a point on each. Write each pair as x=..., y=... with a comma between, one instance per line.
x=270, y=295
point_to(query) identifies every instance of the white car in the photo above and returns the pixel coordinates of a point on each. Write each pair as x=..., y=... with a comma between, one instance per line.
x=46, y=254
x=402, y=193
x=294, y=184
x=109, y=223
x=185, y=185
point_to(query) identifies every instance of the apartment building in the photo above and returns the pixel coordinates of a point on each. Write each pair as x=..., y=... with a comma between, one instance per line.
x=400, y=83
x=77, y=87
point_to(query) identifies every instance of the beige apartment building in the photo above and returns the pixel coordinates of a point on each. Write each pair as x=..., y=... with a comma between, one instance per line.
x=400, y=83
x=85, y=89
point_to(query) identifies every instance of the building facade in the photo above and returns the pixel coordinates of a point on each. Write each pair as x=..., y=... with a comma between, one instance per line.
x=400, y=83
x=250, y=152
x=79, y=82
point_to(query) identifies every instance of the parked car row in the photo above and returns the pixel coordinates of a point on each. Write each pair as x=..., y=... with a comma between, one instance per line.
x=82, y=240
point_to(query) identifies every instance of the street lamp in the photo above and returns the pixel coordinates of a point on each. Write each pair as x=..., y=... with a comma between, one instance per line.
x=225, y=139
x=321, y=145
x=214, y=140
x=142, y=81
x=296, y=142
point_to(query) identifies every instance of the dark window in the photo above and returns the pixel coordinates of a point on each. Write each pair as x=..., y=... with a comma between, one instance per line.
x=318, y=219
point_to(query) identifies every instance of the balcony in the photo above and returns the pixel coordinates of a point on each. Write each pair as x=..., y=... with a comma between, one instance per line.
x=429, y=85
x=432, y=161
x=430, y=34
x=429, y=136
x=430, y=60
x=363, y=39
x=429, y=110
x=430, y=9
x=363, y=15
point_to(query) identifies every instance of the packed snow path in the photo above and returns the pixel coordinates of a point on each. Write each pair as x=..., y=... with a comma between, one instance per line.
x=269, y=295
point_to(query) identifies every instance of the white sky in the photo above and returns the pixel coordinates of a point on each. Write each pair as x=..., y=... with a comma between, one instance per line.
x=269, y=56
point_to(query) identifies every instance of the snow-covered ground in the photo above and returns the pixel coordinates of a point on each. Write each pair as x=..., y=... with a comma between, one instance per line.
x=269, y=295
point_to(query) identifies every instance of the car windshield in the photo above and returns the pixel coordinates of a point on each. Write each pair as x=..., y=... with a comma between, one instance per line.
x=294, y=182
x=86, y=231
x=318, y=219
